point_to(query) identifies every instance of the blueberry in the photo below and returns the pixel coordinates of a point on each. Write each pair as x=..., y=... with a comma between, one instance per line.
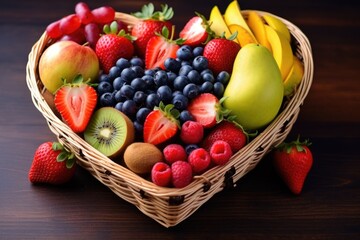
x=198, y=51
x=107, y=99
x=118, y=83
x=218, y=89
x=180, y=82
x=191, y=147
x=104, y=78
x=160, y=78
x=149, y=80
x=171, y=77
x=184, y=53
x=165, y=93
x=173, y=65
x=185, y=115
x=138, y=84
x=206, y=87
x=200, y=63
x=149, y=72
x=118, y=97
x=152, y=100
x=139, y=71
x=207, y=70
x=194, y=76
x=191, y=90
x=136, y=61
x=104, y=87
x=223, y=77
x=122, y=63
x=184, y=70
x=127, y=91
x=129, y=108
x=139, y=128
x=114, y=72
x=119, y=105
x=180, y=102
x=128, y=74
x=139, y=97
x=142, y=114
x=208, y=77
x=186, y=63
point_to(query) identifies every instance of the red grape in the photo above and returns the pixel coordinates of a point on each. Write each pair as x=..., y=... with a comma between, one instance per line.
x=92, y=34
x=70, y=24
x=53, y=29
x=103, y=14
x=83, y=11
x=78, y=36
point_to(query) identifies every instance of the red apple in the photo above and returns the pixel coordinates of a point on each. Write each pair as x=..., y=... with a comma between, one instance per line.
x=65, y=60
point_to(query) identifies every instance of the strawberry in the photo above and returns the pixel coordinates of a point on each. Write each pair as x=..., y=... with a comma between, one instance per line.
x=161, y=124
x=52, y=164
x=159, y=48
x=76, y=102
x=196, y=31
x=152, y=22
x=229, y=132
x=113, y=45
x=221, y=53
x=293, y=162
x=207, y=110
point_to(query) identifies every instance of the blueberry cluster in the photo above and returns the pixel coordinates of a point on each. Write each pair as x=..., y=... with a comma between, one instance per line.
x=135, y=91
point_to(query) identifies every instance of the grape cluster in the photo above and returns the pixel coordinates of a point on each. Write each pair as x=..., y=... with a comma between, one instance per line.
x=85, y=25
x=135, y=91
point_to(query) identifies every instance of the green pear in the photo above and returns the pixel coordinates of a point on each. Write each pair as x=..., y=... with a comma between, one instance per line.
x=255, y=90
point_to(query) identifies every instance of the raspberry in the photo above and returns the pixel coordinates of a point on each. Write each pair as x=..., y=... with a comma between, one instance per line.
x=220, y=152
x=181, y=174
x=191, y=132
x=161, y=174
x=199, y=160
x=174, y=152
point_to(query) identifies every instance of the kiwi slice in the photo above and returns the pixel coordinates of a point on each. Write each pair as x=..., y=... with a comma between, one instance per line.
x=109, y=131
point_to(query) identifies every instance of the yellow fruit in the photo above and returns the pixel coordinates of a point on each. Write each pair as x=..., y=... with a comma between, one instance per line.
x=257, y=26
x=281, y=50
x=243, y=36
x=294, y=78
x=140, y=157
x=218, y=24
x=254, y=93
x=278, y=25
x=233, y=16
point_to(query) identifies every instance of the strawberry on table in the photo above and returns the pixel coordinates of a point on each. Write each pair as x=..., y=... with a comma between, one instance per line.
x=159, y=48
x=114, y=44
x=161, y=124
x=76, y=102
x=152, y=22
x=52, y=164
x=293, y=162
x=207, y=110
x=196, y=31
x=221, y=53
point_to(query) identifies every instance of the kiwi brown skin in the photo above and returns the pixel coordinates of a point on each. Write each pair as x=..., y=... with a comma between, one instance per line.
x=112, y=116
x=140, y=157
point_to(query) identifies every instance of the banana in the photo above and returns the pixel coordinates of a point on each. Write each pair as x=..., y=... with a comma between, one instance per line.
x=278, y=25
x=294, y=78
x=217, y=23
x=257, y=26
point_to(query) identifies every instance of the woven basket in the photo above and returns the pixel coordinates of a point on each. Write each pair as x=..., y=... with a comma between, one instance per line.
x=170, y=206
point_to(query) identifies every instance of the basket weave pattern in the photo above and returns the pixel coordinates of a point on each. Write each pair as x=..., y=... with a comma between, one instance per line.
x=170, y=206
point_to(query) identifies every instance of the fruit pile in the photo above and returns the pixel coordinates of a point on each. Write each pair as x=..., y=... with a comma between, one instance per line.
x=170, y=108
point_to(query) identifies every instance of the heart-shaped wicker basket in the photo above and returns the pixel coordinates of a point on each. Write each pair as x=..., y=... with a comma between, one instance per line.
x=170, y=206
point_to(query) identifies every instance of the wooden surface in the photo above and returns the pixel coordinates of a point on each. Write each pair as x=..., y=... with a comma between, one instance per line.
x=260, y=207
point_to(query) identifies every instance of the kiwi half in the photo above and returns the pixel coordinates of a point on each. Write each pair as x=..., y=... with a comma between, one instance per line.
x=109, y=131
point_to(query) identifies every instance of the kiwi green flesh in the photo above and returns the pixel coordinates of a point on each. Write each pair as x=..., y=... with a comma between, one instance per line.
x=109, y=131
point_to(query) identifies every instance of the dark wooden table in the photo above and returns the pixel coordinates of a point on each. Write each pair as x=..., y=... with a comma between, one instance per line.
x=260, y=207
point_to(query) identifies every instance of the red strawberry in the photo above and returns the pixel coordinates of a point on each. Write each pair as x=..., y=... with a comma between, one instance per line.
x=113, y=45
x=159, y=48
x=229, y=132
x=52, y=164
x=161, y=124
x=293, y=162
x=196, y=31
x=221, y=54
x=152, y=22
x=207, y=110
x=76, y=102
